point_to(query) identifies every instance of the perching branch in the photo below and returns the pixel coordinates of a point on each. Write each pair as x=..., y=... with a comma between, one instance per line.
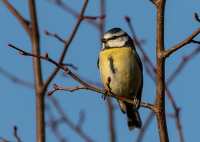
x=180, y=45
x=84, y=84
x=101, y=91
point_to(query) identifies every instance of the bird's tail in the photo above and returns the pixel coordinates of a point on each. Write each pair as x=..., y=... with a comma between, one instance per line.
x=134, y=120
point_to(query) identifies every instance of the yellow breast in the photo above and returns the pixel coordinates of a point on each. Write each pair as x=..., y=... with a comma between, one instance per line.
x=122, y=77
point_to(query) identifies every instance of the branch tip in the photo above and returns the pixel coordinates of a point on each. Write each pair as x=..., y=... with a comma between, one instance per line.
x=196, y=16
x=127, y=18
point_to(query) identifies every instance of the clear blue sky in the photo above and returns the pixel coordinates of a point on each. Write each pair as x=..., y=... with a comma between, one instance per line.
x=17, y=102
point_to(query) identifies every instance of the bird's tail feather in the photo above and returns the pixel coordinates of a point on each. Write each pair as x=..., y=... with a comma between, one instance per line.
x=134, y=120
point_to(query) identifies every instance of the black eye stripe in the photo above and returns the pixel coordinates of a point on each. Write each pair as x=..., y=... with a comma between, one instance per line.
x=114, y=37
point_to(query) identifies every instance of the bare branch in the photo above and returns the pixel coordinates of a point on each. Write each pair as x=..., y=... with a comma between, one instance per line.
x=15, y=133
x=149, y=66
x=14, y=78
x=25, y=23
x=160, y=73
x=180, y=45
x=144, y=127
x=151, y=70
x=4, y=140
x=111, y=120
x=37, y=68
x=196, y=16
x=182, y=64
x=74, y=13
x=156, y=2
x=101, y=91
x=177, y=115
x=54, y=123
x=68, y=122
x=71, y=66
x=60, y=88
x=68, y=42
x=81, y=119
x=56, y=36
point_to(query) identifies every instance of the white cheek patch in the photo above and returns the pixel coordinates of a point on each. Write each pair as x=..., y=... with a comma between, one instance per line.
x=118, y=42
x=103, y=45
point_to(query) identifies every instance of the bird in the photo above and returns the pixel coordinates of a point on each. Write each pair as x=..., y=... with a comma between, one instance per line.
x=121, y=72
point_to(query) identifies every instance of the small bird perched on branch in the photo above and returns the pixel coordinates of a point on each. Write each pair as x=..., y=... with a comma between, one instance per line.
x=121, y=71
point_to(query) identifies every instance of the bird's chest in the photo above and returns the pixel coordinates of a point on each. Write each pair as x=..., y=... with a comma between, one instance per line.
x=118, y=65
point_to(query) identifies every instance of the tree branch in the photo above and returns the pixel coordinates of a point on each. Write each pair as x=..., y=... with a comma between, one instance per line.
x=180, y=45
x=69, y=123
x=160, y=73
x=65, y=7
x=39, y=92
x=182, y=64
x=111, y=120
x=84, y=84
x=14, y=78
x=196, y=16
x=15, y=133
x=68, y=42
x=25, y=23
x=101, y=91
x=144, y=127
x=151, y=70
x=55, y=36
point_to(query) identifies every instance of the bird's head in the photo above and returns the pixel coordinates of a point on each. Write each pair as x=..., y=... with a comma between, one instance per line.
x=116, y=38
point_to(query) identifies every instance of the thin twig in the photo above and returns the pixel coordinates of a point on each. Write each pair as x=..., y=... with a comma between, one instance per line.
x=4, y=140
x=56, y=36
x=69, y=123
x=82, y=82
x=101, y=91
x=196, y=16
x=74, y=13
x=144, y=127
x=68, y=42
x=182, y=64
x=15, y=133
x=177, y=115
x=54, y=123
x=150, y=68
x=25, y=23
x=180, y=45
x=15, y=79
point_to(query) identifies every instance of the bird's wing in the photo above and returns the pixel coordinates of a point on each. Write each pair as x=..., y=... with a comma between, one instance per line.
x=98, y=63
x=139, y=93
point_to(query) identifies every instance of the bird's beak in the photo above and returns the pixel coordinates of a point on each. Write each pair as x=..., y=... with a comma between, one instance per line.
x=103, y=40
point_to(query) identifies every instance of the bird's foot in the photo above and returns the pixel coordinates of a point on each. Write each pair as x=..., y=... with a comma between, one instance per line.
x=107, y=90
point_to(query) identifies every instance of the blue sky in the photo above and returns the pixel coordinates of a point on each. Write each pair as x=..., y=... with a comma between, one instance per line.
x=17, y=102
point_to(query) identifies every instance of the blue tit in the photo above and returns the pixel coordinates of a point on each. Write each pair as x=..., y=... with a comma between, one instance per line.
x=119, y=62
